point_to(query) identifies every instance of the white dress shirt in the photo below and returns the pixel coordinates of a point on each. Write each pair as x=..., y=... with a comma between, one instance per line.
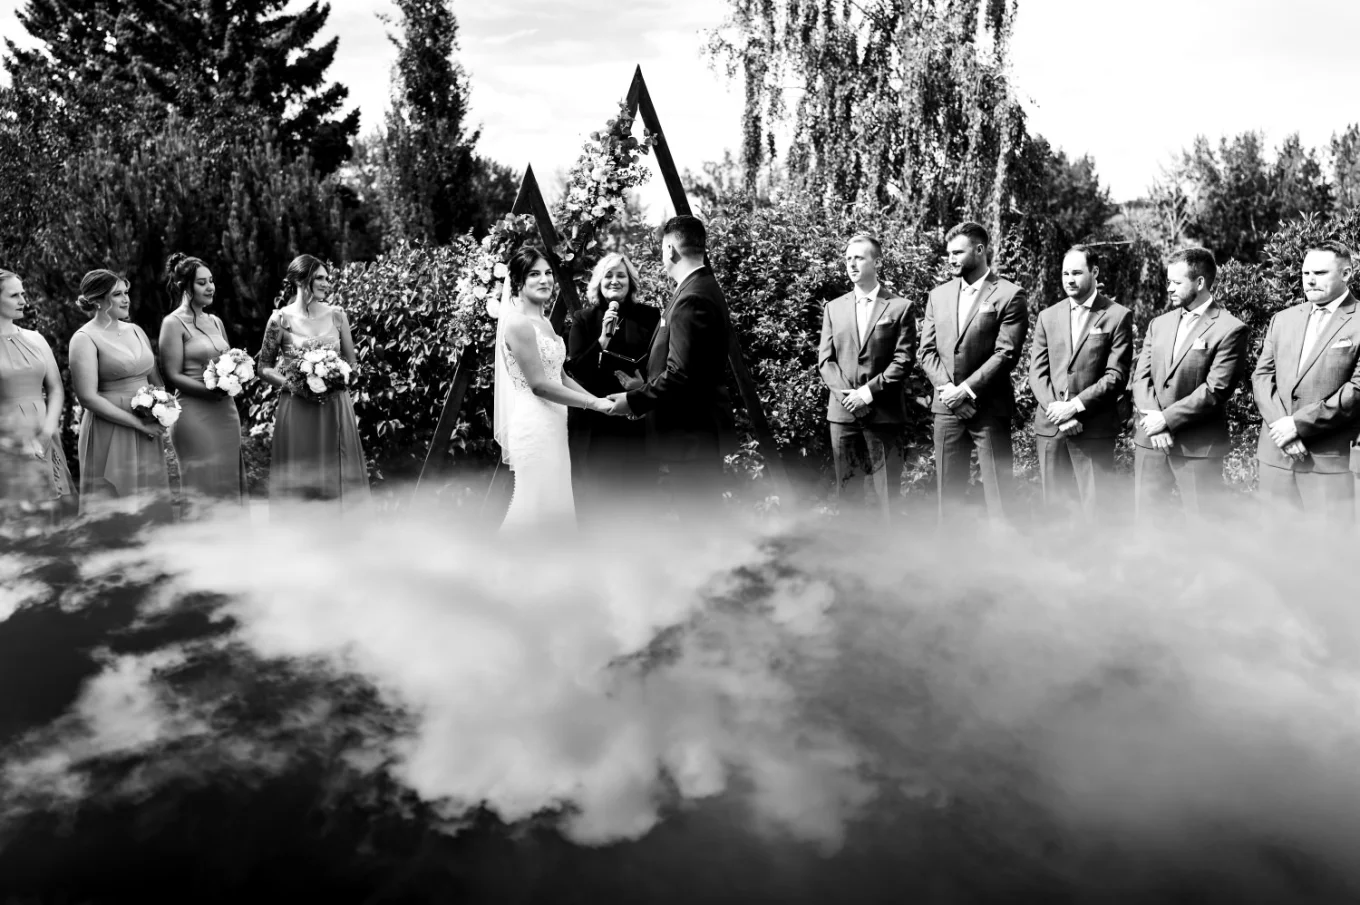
x=864, y=306
x=967, y=298
x=1080, y=319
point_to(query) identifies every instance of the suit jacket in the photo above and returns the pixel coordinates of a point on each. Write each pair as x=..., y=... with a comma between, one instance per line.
x=1096, y=371
x=1322, y=394
x=1192, y=391
x=982, y=352
x=685, y=393
x=881, y=361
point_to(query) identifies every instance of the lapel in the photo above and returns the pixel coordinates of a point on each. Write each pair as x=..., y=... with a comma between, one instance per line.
x=875, y=312
x=1206, y=321
x=988, y=287
x=666, y=313
x=1098, y=309
x=947, y=319
x=1338, y=320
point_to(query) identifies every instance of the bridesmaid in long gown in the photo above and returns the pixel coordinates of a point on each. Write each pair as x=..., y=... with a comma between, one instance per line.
x=207, y=436
x=31, y=404
x=122, y=456
x=316, y=452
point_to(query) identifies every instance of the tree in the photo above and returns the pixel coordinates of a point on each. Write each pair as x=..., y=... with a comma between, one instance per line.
x=212, y=61
x=905, y=103
x=436, y=186
x=1345, y=160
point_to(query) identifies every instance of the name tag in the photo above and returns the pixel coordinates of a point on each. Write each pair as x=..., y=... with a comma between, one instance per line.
x=1200, y=345
x=1342, y=343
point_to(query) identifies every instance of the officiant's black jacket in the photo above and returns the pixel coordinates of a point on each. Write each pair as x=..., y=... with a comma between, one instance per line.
x=594, y=371
x=686, y=393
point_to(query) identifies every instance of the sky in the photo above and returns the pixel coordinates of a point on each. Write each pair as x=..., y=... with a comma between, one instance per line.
x=1129, y=83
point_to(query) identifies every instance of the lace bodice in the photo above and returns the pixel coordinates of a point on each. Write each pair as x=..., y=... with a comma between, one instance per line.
x=553, y=352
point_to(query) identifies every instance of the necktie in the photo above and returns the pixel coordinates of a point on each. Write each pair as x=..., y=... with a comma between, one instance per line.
x=863, y=305
x=1080, y=313
x=1187, y=326
x=966, y=298
x=1316, y=318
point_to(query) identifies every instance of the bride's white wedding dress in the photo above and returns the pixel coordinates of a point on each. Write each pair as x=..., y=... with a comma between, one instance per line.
x=536, y=436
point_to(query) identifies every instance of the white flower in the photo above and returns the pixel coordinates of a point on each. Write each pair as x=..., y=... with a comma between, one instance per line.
x=165, y=414
x=246, y=370
x=210, y=378
x=479, y=292
x=500, y=270
x=321, y=370
x=314, y=355
x=231, y=384
x=343, y=367
x=316, y=385
x=305, y=366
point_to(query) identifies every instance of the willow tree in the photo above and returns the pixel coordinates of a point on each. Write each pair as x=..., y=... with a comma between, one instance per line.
x=902, y=103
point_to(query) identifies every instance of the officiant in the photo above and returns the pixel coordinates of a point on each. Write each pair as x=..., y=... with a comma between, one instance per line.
x=607, y=353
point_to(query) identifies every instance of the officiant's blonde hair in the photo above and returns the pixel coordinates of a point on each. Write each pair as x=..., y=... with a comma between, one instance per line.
x=593, y=295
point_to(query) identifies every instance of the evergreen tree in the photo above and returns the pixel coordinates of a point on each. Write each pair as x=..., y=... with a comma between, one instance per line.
x=217, y=62
x=435, y=184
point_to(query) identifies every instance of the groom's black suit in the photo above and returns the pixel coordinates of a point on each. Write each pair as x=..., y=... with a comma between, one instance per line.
x=686, y=394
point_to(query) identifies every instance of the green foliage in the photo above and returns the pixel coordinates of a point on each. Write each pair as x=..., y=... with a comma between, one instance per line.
x=435, y=186
x=906, y=106
x=216, y=62
x=243, y=207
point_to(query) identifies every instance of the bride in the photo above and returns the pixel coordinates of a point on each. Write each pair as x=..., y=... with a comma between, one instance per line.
x=531, y=396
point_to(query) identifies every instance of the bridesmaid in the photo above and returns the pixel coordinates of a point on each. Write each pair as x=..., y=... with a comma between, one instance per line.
x=610, y=463
x=122, y=456
x=31, y=404
x=207, y=436
x=316, y=452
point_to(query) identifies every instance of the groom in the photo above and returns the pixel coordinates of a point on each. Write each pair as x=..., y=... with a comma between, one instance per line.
x=685, y=395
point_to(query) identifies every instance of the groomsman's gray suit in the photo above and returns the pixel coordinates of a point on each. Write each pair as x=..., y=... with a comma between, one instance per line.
x=1093, y=368
x=1321, y=392
x=981, y=353
x=1190, y=386
x=869, y=441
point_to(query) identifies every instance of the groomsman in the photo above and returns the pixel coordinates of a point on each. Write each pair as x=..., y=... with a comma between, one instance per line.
x=973, y=332
x=868, y=337
x=1192, y=357
x=1307, y=386
x=1080, y=359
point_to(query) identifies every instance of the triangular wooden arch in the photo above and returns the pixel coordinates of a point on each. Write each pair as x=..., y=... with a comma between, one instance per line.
x=529, y=200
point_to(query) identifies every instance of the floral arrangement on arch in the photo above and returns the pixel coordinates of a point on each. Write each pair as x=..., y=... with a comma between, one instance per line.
x=478, y=290
x=610, y=164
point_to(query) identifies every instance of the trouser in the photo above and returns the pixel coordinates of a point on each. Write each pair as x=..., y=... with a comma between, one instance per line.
x=955, y=440
x=1199, y=480
x=867, y=454
x=1325, y=496
x=1081, y=464
x=693, y=487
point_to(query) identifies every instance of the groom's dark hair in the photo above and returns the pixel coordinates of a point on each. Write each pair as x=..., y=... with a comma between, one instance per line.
x=690, y=236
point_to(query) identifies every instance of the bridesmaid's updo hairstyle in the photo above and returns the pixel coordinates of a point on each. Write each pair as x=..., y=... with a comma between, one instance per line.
x=95, y=287
x=521, y=262
x=302, y=272
x=180, y=271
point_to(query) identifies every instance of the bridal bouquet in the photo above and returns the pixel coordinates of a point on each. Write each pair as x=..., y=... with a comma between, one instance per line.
x=317, y=371
x=229, y=373
x=155, y=404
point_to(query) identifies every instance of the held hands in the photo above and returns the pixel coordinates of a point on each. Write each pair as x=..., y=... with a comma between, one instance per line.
x=1295, y=449
x=617, y=404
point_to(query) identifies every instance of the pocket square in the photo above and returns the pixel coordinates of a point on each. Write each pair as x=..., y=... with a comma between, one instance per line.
x=1097, y=331
x=1199, y=345
x=1342, y=343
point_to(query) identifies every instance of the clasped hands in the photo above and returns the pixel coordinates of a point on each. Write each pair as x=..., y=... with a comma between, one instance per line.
x=1064, y=414
x=617, y=404
x=1285, y=433
x=959, y=400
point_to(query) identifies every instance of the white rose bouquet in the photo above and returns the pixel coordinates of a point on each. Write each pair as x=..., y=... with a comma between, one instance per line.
x=317, y=371
x=155, y=404
x=229, y=373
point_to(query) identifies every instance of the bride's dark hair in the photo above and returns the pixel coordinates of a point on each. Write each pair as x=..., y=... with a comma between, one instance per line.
x=521, y=262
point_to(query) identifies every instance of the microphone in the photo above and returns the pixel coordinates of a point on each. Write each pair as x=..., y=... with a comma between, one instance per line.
x=611, y=321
